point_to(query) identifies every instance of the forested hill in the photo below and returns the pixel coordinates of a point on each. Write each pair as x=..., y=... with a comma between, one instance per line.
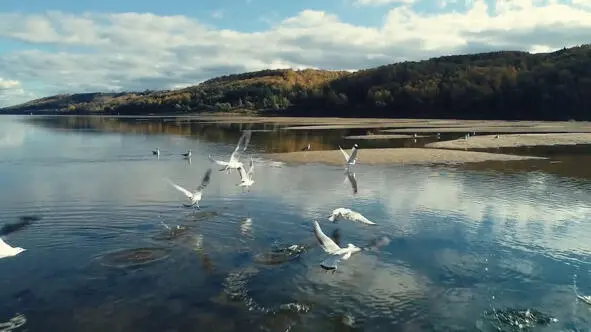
x=497, y=85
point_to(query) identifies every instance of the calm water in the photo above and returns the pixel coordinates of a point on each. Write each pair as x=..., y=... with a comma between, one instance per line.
x=463, y=240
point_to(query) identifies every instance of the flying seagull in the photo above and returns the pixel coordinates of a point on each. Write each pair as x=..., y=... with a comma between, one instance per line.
x=344, y=213
x=585, y=298
x=351, y=160
x=246, y=177
x=234, y=163
x=156, y=152
x=195, y=196
x=335, y=253
x=7, y=251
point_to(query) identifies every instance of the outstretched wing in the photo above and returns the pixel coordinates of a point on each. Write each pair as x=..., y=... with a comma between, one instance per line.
x=205, y=180
x=326, y=243
x=242, y=173
x=244, y=140
x=219, y=162
x=251, y=169
x=181, y=189
x=358, y=217
x=248, y=135
x=352, y=180
x=353, y=157
x=4, y=246
x=344, y=154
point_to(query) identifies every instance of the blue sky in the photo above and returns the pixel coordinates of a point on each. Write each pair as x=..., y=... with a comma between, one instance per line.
x=76, y=46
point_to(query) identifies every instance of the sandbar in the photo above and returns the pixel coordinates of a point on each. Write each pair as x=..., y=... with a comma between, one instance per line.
x=380, y=136
x=513, y=140
x=394, y=156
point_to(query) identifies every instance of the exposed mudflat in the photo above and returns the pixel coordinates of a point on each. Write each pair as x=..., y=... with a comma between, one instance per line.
x=395, y=156
x=514, y=140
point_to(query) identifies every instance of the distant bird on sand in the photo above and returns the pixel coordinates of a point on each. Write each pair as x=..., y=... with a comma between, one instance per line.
x=335, y=253
x=344, y=213
x=306, y=148
x=7, y=251
x=195, y=196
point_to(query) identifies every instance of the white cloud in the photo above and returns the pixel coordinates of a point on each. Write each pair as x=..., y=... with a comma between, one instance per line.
x=11, y=92
x=137, y=51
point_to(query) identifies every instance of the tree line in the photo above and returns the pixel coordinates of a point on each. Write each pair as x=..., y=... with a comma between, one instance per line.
x=495, y=85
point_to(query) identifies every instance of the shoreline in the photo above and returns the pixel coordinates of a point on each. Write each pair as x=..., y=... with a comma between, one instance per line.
x=385, y=156
x=513, y=141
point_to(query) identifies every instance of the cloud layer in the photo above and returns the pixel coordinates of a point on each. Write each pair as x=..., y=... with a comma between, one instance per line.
x=137, y=51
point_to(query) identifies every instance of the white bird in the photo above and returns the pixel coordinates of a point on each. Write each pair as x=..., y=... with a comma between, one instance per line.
x=246, y=177
x=7, y=251
x=344, y=213
x=351, y=160
x=156, y=152
x=234, y=162
x=195, y=196
x=335, y=253
x=187, y=154
x=585, y=298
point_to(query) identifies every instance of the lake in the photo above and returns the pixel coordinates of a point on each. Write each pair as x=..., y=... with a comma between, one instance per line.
x=115, y=249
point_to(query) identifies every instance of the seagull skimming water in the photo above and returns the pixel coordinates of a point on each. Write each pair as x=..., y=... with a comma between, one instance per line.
x=344, y=213
x=187, y=155
x=351, y=160
x=195, y=196
x=7, y=251
x=335, y=253
x=234, y=163
x=352, y=180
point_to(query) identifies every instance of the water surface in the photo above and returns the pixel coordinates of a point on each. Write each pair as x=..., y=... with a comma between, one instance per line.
x=463, y=239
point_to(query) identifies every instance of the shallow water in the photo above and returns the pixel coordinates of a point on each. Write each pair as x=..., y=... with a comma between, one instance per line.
x=463, y=240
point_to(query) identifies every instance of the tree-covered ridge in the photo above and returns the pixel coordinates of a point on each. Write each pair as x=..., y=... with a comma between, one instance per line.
x=494, y=85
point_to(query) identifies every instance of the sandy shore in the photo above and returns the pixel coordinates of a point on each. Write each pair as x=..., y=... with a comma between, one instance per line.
x=514, y=140
x=384, y=136
x=394, y=156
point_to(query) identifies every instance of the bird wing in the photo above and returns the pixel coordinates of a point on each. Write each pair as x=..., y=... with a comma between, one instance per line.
x=205, y=180
x=326, y=243
x=181, y=189
x=352, y=180
x=219, y=162
x=358, y=217
x=344, y=154
x=4, y=246
x=585, y=298
x=251, y=169
x=353, y=155
x=242, y=173
x=248, y=135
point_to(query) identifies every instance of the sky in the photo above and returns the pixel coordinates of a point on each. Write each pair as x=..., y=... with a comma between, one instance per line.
x=67, y=46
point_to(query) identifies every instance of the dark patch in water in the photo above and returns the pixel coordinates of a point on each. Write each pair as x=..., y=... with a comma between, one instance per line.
x=17, y=226
x=134, y=257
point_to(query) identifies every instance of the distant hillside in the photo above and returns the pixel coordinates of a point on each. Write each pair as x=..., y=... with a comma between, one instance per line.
x=496, y=85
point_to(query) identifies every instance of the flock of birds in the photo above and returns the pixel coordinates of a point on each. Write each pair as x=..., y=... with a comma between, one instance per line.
x=335, y=253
